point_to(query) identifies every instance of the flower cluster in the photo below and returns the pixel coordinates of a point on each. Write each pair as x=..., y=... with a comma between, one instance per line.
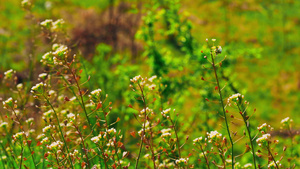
x=264, y=128
x=235, y=98
x=38, y=88
x=55, y=145
x=96, y=139
x=95, y=96
x=286, y=121
x=54, y=26
x=166, y=133
x=182, y=161
x=166, y=113
x=56, y=56
x=10, y=103
x=263, y=140
x=214, y=136
x=8, y=74
x=18, y=136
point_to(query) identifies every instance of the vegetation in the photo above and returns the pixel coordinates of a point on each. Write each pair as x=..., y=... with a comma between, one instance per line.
x=130, y=84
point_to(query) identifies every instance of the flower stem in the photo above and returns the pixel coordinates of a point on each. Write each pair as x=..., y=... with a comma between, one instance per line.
x=270, y=153
x=144, y=126
x=247, y=124
x=224, y=112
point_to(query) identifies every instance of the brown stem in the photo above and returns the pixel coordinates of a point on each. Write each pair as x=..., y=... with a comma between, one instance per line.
x=270, y=153
x=84, y=148
x=207, y=163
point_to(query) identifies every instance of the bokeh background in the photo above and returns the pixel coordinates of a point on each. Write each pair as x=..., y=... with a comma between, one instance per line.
x=118, y=39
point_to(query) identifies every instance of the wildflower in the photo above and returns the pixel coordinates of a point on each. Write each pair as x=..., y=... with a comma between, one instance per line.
x=30, y=120
x=43, y=75
x=8, y=74
x=18, y=135
x=234, y=97
x=47, y=23
x=9, y=103
x=197, y=140
x=151, y=87
x=60, y=50
x=219, y=50
x=20, y=86
x=166, y=133
x=71, y=116
x=262, y=126
x=136, y=78
x=96, y=139
x=286, y=121
x=38, y=88
x=112, y=130
x=147, y=156
x=213, y=40
x=248, y=165
x=57, y=25
x=148, y=110
x=45, y=140
x=213, y=135
x=55, y=145
x=40, y=136
x=48, y=114
x=152, y=78
x=182, y=161
x=95, y=95
x=52, y=93
x=3, y=124
x=263, y=140
x=47, y=128
x=47, y=58
x=272, y=164
x=166, y=112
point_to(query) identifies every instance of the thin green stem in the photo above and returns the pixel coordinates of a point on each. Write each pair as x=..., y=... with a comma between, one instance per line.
x=247, y=124
x=224, y=112
x=21, y=156
x=177, y=140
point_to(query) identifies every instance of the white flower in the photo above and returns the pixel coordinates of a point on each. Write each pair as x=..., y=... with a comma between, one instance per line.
x=55, y=145
x=112, y=130
x=4, y=124
x=47, y=23
x=29, y=120
x=182, y=161
x=42, y=75
x=20, y=86
x=248, y=165
x=47, y=128
x=71, y=116
x=152, y=78
x=262, y=126
x=196, y=140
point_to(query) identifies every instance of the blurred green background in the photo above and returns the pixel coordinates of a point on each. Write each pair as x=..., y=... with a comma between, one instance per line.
x=120, y=39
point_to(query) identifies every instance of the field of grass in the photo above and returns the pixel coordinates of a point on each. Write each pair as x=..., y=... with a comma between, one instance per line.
x=149, y=84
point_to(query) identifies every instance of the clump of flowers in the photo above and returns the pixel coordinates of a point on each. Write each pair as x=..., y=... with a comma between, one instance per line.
x=9, y=74
x=10, y=103
x=182, y=162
